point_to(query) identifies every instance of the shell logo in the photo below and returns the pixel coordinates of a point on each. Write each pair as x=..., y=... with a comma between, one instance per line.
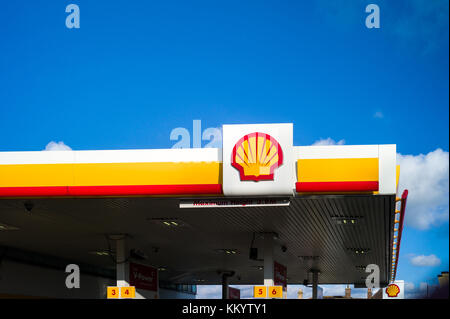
x=256, y=156
x=392, y=290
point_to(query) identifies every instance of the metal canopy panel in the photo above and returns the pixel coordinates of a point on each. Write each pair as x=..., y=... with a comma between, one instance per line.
x=311, y=229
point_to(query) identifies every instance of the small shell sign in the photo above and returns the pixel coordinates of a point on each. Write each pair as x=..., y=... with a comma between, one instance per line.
x=392, y=290
x=395, y=290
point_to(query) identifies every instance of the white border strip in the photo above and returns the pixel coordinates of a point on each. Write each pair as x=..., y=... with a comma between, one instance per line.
x=387, y=169
x=42, y=157
x=336, y=151
x=113, y=156
x=225, y=203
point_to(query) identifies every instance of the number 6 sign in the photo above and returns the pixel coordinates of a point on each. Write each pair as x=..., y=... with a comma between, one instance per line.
x=276, y=292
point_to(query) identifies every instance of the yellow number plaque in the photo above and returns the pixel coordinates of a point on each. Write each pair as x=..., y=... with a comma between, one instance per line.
x=259, y=292
x=112, y=292
x=127, y=292
x=276, y=292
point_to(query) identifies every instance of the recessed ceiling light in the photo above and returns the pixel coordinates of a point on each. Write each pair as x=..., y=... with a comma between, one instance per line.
x=168, y=222
x=161, y=268
x=227, y=251
x=100, y=253
x=359, y=251
x=350, y=220
x=5, y=227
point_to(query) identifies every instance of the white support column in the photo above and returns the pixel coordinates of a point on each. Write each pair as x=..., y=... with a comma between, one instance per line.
x=122, y=265
x=268, y=259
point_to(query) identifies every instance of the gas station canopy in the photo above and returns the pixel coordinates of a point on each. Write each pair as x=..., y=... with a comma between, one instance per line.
x=194, y=213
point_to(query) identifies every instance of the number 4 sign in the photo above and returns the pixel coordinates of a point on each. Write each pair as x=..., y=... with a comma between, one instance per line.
x=127, y=292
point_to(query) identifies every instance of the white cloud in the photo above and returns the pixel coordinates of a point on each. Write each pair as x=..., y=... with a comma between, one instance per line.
x=339, y=290
x=333, y=290
x=246, y=291
x=57, y=146
x=209, y=292
x=328, y=141
x=409, y=286
x=378, y=115
x=426, y=178
x=425, y=261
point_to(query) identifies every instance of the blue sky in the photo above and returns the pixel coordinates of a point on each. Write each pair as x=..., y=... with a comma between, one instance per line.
x=135, y=70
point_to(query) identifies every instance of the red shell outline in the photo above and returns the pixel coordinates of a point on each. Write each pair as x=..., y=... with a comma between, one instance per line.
x=272, y=169
x=398, y=290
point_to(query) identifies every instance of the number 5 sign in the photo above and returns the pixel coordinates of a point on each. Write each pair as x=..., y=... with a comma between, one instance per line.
x=259, y=292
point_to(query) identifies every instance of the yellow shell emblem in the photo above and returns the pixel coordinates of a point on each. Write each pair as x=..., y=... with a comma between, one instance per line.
x=392, y=290
x=256, y=156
